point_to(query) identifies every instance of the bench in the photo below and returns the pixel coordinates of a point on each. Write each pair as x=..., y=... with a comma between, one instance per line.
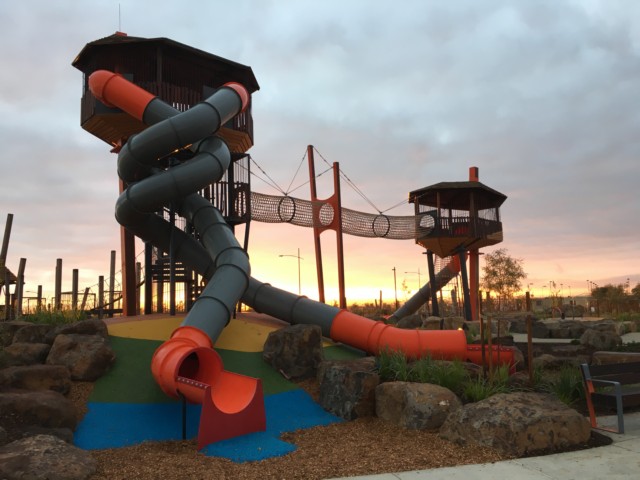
x=614, y=385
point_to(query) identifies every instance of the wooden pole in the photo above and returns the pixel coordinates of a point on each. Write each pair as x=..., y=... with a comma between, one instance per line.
x=74, y=290
x=316, y=228
x=100, y=296
x=530, y=348
x=138, y=282
x=39, y=297
x=484, y=360
x=112, y=282
x=57, y=302
x=84, y=299
x=20, y=286
x=7, y=295
x=489, y=344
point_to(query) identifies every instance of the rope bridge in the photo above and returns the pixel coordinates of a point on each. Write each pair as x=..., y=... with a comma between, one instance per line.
x=286, y=209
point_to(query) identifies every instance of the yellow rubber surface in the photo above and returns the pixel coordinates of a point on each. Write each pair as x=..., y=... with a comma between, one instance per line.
x=242, y=335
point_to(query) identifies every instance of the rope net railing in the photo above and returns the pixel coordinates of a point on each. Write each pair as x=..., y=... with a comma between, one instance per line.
x=286, y=209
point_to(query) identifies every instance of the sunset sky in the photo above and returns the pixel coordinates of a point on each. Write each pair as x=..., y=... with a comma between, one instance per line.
x=541, y=95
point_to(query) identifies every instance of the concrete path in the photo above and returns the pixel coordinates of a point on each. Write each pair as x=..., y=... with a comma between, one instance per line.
x=618, y=461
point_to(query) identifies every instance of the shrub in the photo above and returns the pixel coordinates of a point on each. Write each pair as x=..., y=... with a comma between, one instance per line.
x=566, y=385
x=480, y=388
x=393, y=366
x=54, y=317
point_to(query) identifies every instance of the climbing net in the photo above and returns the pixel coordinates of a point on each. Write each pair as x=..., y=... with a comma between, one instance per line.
x=286, y=209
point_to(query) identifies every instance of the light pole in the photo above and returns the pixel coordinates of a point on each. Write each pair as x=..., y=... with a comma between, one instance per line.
x=418, y=272
x=299, y=258
x=395, y=287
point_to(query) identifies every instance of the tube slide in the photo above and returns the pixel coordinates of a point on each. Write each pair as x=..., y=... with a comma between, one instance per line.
x=186, y=365
x=422, y=296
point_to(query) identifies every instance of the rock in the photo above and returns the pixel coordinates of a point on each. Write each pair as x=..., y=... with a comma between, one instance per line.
x=33, y=333
x=419, y=406
x=44, y=408
x=600, y=340
x=65, y=434
x=551, y=362
x=566, y=329
x=517, y=424
x=295, y=351
x=347, y=387
x=539, y=330
x=630, y=326
x=85, y=327
x=45, y=457
x=25, y=353
x=87, y=357
x=603, y=358
x=429, y=323
x=610, y=326
x=410, y=321
x=37, y=377
x=3, y=436
x=8, y=330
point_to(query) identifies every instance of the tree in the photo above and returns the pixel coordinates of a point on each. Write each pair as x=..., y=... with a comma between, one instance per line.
x=502, y=274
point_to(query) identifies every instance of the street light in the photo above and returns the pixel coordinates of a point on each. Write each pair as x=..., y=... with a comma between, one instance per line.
x=418, y=272
x=299, y=258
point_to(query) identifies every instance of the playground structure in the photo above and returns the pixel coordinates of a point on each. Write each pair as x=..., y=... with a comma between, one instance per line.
x=167, y=165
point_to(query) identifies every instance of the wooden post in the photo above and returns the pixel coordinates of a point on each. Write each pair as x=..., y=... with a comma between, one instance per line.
x=138, y=282
x=74, y=289
x=484, y=360
x=100, y=296
x=7, y=295
x=39, y=297
x=112, y=282
x=530, y=348
x=84, y=299
x=20, y=286
x=57, y=302
x=148, y=278
x=490, y=345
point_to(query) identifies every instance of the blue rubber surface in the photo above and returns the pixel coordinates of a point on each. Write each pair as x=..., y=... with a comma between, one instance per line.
x=113, y=425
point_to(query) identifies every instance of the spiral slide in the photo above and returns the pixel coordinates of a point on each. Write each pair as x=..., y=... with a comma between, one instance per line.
x=187, y=365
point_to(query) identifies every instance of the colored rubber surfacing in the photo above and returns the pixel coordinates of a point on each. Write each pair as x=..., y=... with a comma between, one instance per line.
x=127, y=407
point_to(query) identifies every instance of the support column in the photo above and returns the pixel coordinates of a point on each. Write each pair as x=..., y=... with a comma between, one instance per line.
x=435, y=309
x=465, y=284
x=128, y=262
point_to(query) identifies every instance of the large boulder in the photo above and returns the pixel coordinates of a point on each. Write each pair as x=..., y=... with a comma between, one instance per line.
x=44, y=408
x=33, y=333
x=88, y=357
x=45, y=457
x=600, y=340
x=609, y=325
x=419, y=406
x=295, y=351
x=8, y=330
x=566, y=329
x=410, y=321
x=93, y=326
x=25, y=354
x=347, y=387
x=518, y=424
x=36, y=377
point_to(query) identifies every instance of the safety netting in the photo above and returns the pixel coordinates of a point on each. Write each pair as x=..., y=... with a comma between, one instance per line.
x=286, y=209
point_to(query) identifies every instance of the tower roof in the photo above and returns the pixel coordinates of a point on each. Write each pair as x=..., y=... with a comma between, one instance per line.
x=455, y=195
x=228, y=69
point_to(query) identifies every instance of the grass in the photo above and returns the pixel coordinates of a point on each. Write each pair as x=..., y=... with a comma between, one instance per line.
x=565, y=384
x=54, y=317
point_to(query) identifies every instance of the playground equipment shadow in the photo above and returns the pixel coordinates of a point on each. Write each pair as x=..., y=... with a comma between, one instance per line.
x=620, y=460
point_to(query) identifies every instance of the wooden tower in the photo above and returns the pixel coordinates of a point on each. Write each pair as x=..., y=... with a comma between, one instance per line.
x=181, y=76
x=456, y=218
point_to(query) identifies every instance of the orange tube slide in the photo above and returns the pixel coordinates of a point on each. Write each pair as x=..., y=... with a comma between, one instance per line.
x=373, y=337
x=120, y=91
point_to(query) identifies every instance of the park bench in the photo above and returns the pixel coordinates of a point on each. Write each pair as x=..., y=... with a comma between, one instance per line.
x=615, y=385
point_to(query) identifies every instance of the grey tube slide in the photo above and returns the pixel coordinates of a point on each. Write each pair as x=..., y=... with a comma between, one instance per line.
x=423, y=295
